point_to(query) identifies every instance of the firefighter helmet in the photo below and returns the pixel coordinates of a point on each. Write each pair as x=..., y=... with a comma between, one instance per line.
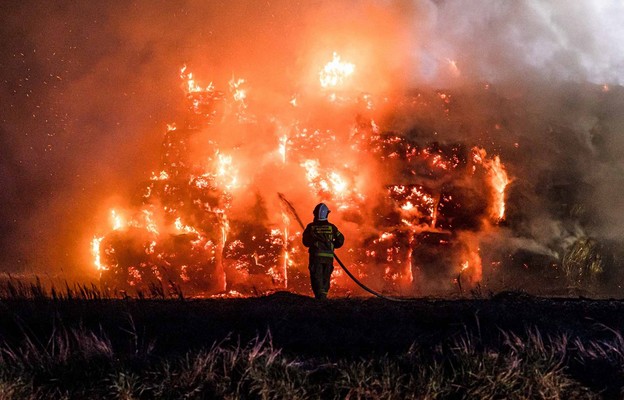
x=321, y=211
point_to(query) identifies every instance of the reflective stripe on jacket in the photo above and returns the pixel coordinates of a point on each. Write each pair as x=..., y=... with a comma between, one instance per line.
x=322, y=237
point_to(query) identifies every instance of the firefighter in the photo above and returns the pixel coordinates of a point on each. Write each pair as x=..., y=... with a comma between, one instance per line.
x=321, y=237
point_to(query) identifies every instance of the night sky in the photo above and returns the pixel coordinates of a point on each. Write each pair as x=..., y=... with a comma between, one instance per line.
x=87, y=88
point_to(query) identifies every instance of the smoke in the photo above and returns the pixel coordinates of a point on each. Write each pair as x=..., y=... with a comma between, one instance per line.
x=513, y=42
x=557, y=69
x=88, y=90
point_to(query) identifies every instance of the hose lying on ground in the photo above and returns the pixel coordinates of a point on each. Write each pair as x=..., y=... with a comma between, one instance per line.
x=293, y=212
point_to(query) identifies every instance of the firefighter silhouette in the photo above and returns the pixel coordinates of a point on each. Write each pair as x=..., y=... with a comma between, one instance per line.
x=321, y=238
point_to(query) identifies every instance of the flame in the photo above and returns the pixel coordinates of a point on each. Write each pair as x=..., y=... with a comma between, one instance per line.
x=329, y=183
x=311, y=167
x=201, y=182
x=338, y=184
x=184, y=228
x=150, y=225
x=239, y=93
x=226, y=171
x=95, y=251
x=225, y=229
x=283, y=141
x=498, y=180
x=116, y=220
x=387, y=216
x=163, y=176
x=499, y=183
x=335, y=72
x=190, y=85
x=414, y=196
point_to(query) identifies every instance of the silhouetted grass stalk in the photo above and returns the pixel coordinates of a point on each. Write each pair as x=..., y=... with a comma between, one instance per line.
x=79, y=363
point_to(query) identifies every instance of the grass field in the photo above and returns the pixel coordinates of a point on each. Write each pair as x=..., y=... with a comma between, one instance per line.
x=77, y=343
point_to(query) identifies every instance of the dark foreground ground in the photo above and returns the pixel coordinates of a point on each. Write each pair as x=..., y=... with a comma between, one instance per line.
x=290, y=346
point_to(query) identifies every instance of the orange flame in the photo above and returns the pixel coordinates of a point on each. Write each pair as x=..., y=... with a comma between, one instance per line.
x=95, y=251
x=498, y=180
x=335, y=72
x=499, y=183
x=226, y=171
x=192, y=86
x=283, y=141
x=116, y=220
x=184, y=228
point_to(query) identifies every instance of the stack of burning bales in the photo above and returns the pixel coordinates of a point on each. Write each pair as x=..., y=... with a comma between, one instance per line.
x=428, y=218
x=438, y=191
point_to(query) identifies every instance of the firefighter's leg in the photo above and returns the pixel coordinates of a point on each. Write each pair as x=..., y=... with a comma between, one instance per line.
x=316, y=277
x=327, y=268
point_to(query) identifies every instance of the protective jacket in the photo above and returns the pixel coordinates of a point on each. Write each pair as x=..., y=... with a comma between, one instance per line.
x=321, y=238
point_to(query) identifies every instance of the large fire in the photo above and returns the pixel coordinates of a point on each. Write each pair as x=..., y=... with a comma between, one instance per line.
x=209, y=220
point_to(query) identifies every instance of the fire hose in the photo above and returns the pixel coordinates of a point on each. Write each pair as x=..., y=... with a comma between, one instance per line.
x=293, y=212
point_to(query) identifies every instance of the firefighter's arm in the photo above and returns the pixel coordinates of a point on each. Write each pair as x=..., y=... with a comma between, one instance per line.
x=338, y=238
x=307, y=236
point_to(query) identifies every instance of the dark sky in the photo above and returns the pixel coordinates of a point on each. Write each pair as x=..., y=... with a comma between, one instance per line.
x=79, y=101
x=87, y=88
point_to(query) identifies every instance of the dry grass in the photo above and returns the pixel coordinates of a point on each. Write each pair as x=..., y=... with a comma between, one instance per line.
x=83, y=364
x=119, y=361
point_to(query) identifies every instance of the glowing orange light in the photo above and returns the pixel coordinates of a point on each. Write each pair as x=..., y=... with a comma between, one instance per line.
x=163, y=176
x=239, y=93
x=117, y=221
x=283, y=141
x=150, y=225
x=339, y=185
x=192, y=86
x=407, y=206
x=335, y=72
x=151, y=248
x=498, y=180
x=95, y=251
x=311, y=167
x=227, y=172
x=385, y=236
x=184, y=228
